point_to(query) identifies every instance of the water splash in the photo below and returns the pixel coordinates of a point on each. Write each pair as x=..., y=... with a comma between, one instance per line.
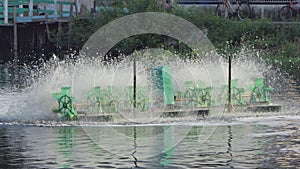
x=35, y=101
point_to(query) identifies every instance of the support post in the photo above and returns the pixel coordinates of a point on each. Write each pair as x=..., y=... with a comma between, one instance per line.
x=55, y=7
x=70, y=26
x=33, y=37
x=60, y=31
x=47, y=26
x=229, y=83
x=15, y=35
x=30, y=7
x=77, y=7
x=134, y=83
x=60, y=11
x=5, y=11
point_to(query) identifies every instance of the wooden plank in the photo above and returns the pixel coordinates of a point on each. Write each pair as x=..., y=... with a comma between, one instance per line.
x=46, y=11
x=40, y=18
x=24, y=19
x=44, y=1
x=66, y=12
x=56, y=20
x=53, y=2
x=2, y=17
x=15, y=2
x=65, y=2
x=9, y=24
x=18, y=10
x=19, y=1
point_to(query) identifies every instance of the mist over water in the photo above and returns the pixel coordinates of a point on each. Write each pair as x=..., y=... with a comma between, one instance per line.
x=33, y=98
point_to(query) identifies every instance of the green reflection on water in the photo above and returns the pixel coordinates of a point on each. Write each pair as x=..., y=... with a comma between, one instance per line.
x=65, y=144
x=168, y=148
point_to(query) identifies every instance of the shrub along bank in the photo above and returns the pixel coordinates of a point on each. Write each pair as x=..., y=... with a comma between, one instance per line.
x=279, y=43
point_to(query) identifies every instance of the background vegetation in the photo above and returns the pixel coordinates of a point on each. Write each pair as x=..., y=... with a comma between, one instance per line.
x=279, y=43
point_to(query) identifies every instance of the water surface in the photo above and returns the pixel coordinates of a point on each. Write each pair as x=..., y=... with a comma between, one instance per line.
x=272, y=143
x=32, y=141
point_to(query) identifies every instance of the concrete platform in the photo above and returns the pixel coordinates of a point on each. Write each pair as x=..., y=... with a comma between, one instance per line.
x=84, y=116
x=176, y=112
x=264, y=108
x=109, y=117
x=185, y=112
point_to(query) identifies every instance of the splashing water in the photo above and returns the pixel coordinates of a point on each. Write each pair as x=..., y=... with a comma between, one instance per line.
x=35, y=100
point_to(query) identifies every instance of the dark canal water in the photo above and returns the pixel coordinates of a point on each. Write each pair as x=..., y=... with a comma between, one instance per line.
x=272, y=143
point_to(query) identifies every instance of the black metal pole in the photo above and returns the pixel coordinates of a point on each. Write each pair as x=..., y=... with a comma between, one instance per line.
x=134, y=83
x=134, y=146
x=229, y=83
x=15, y=35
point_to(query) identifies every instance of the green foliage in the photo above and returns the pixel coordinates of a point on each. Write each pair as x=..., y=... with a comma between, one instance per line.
x=288, y=58
x=279, y=42
x=82, y=29
x=136, y=6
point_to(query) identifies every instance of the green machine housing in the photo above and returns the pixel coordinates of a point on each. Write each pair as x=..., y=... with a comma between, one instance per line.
x=163, y=84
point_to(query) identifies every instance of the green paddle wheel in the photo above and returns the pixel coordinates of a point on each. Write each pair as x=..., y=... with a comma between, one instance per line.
x=109, y=103
x=142, y=99
x=259, y=91
x=197, y=95
x=66, y=106
x=236, y=93
x=204, y=93
x=190, y=97
x=102, y=100
x=94, y=100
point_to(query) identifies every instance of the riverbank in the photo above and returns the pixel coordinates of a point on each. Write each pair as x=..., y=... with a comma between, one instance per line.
x=278, y=43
